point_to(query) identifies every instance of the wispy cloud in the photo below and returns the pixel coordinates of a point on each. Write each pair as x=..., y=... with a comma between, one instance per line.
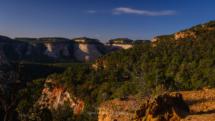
x=97, y=35
x=121, y=10
x=91, y=11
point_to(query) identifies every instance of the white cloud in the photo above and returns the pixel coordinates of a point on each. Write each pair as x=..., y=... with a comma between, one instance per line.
x=91, y=11
x=118, y=11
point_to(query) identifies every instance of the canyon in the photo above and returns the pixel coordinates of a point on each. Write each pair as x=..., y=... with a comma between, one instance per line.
x=79, y=51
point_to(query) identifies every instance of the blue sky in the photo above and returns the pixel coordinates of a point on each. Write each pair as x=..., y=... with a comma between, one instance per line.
x=101, y=19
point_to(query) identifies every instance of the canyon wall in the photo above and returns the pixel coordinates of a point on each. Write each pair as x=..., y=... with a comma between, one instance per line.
x=59, y=48
x=86, y=52
x=82, y=52
x=113, y=47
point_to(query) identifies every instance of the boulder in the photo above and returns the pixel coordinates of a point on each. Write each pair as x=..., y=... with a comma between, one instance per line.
x=167, y=107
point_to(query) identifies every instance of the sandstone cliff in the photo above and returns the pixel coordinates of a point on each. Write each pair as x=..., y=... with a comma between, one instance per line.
x=86, y=51
x=155, y=39
x=60, y=47
x=82, y=52
x=113, y=47
x=57, y=95
x=57, y=50
x=185, y=34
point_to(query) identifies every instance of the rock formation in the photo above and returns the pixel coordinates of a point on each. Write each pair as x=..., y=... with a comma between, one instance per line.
x=86, y=52
x=57, y=95
x=185, y=34
x=155, y=39
x=57, y=47
x=82, y=52
x=113, y=47
x=57, y=50
x=162, y=108
x=167, y=107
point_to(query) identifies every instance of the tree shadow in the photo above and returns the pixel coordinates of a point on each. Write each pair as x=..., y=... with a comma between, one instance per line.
x=185, y=114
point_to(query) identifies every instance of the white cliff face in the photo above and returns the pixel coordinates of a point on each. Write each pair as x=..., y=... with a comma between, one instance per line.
x=82, y=52
x=86, y=52
x=55, y=50
x=112, y=47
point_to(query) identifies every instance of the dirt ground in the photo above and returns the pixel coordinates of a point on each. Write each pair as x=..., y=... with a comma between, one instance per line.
x=201, y=104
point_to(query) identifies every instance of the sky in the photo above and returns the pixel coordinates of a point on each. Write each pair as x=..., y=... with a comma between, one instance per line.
x=101, y=19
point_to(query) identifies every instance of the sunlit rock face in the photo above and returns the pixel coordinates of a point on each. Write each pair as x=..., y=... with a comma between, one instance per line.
x=86, y=52
x=185, y=34
x=82, y=52
x=155, y=39
x=79, y=51
x=114, y=47
x=57, y=96
x=166, y=107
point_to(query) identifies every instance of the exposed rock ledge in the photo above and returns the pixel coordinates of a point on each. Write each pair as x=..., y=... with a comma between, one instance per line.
x=161, y=108
x=57, y=96
x=113, y=47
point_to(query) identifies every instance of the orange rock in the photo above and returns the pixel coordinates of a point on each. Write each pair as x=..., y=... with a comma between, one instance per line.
x=185, y=34
x=162, y=108
x=57, y=96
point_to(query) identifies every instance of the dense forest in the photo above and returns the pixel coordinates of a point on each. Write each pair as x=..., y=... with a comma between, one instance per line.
x=183, y=64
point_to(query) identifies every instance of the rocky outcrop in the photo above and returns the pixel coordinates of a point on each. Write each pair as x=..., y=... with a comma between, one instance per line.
x=155, y=39
x=103, y=63
x=57, y=95
x=162, y=108
x=185, y=34
x=167, y=107
x=113, y=47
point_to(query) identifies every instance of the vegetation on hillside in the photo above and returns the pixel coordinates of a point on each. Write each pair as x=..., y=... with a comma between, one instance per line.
x=183, y=64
